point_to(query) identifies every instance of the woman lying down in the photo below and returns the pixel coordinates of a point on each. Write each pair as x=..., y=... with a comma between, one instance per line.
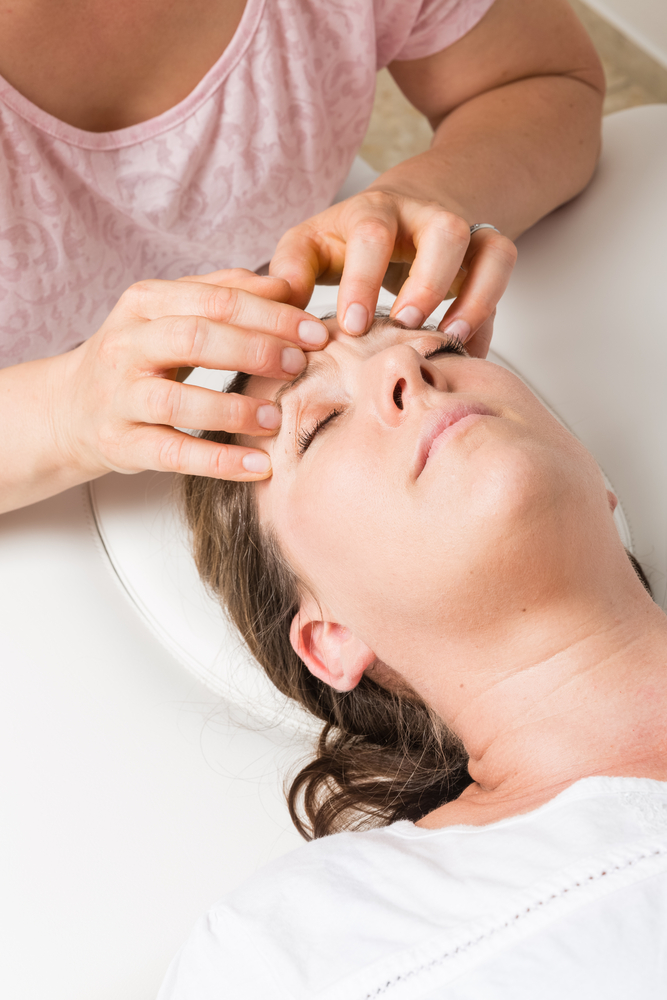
x=433, y=571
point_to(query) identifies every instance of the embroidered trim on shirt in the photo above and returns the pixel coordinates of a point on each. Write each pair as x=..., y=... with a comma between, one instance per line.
x=486, y=935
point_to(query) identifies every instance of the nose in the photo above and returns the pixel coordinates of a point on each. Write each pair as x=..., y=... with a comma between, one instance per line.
x=397, y=377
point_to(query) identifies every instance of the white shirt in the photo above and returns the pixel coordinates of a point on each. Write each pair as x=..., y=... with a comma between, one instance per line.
x=568, y=902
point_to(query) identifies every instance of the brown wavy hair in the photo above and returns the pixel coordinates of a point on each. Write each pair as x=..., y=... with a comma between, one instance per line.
x=382, y=755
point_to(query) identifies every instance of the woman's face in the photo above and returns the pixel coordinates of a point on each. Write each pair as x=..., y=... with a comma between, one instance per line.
x=414, y=487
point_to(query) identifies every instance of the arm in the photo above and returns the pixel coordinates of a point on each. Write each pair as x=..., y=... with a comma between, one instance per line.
x=516, y=107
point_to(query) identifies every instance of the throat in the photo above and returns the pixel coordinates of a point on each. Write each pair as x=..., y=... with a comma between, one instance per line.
x=597, y=707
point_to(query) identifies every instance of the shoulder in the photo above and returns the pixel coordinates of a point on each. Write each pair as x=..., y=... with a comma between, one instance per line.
x=403, y=29
x=410, y=900
x=275, y=934
x=319, y=873
x=414, y=29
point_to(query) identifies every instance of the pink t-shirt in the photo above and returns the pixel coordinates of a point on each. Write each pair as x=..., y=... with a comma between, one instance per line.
x=263, y=142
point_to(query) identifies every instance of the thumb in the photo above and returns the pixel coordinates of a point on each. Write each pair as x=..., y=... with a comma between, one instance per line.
x=297, y=260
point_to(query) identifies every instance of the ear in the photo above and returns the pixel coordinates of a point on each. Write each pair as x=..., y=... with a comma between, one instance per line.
x=330, y=651
x=613, y=500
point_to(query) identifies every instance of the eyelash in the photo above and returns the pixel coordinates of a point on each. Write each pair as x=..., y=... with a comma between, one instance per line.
x=305, y=438
x=452, y=345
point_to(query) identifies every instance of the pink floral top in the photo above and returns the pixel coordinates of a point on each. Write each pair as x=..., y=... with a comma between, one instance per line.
x=263, y=142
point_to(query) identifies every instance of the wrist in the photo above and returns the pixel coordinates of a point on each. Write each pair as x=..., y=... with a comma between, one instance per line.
x=35, y=464
x=67, y=419
x=58, y=405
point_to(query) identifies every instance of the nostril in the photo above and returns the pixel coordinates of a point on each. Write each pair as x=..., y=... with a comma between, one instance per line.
x=426, y=375
x=398, y=393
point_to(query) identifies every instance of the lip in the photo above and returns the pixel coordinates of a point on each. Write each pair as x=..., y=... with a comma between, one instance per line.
x=438, y=424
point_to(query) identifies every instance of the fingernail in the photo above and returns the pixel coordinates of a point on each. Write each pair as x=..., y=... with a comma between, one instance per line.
x=268, y=416
x=256, y=461
x=293, y=360
x=458, y=328
x=311, y=332
x=356, y=318
x=410, y=316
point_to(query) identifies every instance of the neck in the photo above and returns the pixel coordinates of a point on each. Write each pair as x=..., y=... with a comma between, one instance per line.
x=550, y=712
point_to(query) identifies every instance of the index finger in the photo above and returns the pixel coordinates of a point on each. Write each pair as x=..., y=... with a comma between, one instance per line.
x=154, y=299
x=265, y=285
x=370, y=244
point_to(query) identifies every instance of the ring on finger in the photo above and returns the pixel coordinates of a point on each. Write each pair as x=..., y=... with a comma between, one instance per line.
x=482, y=225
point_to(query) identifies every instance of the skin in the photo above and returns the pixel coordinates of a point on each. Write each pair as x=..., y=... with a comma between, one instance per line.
x=493, y=584
x=515, y=106
x=114, y=401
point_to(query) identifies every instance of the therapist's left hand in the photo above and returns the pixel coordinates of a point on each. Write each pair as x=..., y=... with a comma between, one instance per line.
x=418, y=250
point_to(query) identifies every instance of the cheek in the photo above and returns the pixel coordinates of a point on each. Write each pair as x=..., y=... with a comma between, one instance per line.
x=339, y=525
x=385, y=555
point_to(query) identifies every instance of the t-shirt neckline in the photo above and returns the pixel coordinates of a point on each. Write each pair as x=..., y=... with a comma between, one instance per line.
x=174, y=116
x=583, y=788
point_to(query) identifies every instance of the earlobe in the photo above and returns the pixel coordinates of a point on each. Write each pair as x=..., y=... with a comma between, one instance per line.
x=613, y=500
x=330, y=651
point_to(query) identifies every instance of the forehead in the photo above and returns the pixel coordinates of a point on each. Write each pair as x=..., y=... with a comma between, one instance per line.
x=383, y=333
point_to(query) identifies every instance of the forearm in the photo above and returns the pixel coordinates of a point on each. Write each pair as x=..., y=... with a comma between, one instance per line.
x=510, y=155
x=32, y=463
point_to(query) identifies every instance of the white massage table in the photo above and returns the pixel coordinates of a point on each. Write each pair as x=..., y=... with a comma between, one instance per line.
x=132, y=796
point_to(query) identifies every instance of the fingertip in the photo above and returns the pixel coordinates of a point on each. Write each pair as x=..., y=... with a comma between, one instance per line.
x=292, y=360
x=281, y=288
x=411, y=317
x=313, y=332
x=268, y=416
x=458, y=328
x=257, y=462
x=355, y=321
x=300, y=271
x=276, y=277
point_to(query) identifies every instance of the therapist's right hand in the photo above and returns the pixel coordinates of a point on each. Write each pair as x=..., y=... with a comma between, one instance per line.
x=120, y=403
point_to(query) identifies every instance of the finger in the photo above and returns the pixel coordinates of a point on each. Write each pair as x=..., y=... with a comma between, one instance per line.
x=489, y=266
x=441, y=241
x=240, y=277
x=166, y=450
x=368, y=250
x=194, y=341
x=162, y=401
x=151, y=300
x=301, y=260
x=479, y=343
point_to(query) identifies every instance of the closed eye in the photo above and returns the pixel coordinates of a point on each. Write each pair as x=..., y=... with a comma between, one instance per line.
x=451, y=345
x=305, y=438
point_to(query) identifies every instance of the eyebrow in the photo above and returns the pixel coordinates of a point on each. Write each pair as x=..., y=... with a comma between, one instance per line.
x=314, y=369
x=319, y=365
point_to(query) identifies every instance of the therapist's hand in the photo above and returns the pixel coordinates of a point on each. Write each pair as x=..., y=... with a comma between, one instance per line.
x=416, y=249
x=119, y=398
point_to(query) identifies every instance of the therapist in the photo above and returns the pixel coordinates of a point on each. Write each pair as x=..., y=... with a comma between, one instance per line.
x=147, y=140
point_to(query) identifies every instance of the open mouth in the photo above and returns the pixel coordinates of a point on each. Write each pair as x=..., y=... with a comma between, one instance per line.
x=439, y=426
